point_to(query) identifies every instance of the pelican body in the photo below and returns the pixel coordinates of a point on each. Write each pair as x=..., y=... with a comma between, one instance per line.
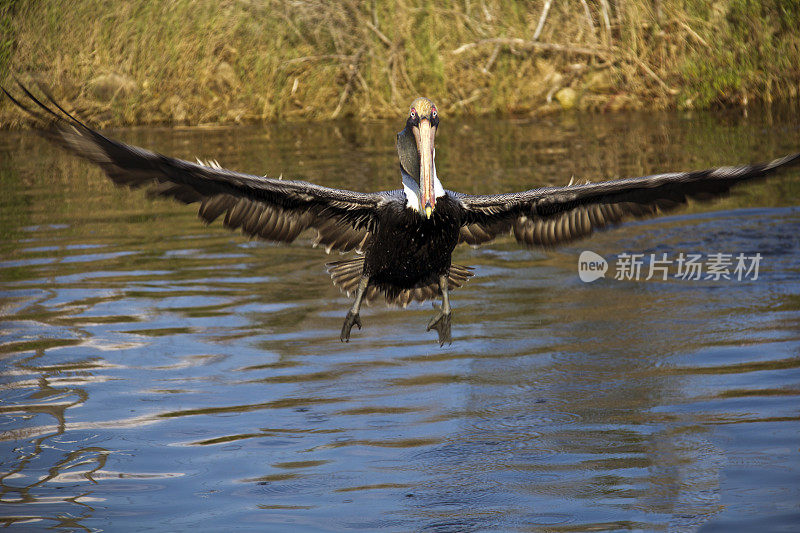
x=409, y=250
x=405, y=237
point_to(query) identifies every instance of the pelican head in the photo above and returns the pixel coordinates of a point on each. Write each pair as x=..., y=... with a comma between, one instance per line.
x=415, y=148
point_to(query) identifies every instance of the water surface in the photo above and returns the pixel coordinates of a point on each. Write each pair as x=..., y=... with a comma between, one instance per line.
x=157, y=374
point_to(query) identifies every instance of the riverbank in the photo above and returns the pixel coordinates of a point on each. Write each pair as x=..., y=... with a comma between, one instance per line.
x=206, y=62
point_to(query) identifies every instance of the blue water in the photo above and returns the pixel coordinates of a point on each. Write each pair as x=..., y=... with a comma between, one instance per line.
x=160, y=375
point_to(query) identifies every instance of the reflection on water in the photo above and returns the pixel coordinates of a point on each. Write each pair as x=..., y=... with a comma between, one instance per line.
x=156, y=373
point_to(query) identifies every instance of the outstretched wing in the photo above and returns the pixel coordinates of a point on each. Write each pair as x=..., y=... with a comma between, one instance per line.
x=554, y=215
x=271, y=209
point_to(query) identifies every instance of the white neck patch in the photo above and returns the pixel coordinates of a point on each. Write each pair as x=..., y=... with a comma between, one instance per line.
x=411, y=188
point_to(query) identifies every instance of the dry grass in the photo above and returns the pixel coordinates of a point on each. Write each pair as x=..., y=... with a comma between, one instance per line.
x=205, y=61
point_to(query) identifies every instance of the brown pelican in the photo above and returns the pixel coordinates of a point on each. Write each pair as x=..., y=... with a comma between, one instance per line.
x=405, y=238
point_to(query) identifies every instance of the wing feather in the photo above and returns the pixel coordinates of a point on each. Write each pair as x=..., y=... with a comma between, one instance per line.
x=554, y=215
x=272, y=209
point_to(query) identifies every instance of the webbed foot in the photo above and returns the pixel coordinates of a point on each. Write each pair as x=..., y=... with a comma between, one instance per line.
x=441, y=323
x=352, y=319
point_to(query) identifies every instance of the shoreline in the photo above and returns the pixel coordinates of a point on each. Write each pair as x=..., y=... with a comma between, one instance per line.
x=22, y=122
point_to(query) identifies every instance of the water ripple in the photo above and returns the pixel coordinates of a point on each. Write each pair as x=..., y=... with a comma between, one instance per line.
x=156, y=373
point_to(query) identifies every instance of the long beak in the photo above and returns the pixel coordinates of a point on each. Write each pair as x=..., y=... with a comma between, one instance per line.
x=425, y=134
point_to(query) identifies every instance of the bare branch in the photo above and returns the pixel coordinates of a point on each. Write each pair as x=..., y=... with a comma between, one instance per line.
x=588, y=15
x=692, y=33
x=384, y=39
x=542, y=18
x=605, y=8
x=305, y=59
x=352, y=77
x=492, y=58
x=649, y=72
x=522, y=43
x=606, y=54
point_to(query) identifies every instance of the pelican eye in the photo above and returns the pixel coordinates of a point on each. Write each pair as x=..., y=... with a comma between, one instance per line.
x=433, y=112
x=413, y=113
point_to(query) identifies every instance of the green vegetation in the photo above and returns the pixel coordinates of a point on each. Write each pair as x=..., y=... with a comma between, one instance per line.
x=210, y=61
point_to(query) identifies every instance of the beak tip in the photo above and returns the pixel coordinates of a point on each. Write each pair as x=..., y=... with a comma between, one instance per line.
x=428, y=211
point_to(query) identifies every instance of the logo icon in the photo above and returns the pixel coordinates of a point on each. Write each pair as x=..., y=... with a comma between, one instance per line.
x=591, y=266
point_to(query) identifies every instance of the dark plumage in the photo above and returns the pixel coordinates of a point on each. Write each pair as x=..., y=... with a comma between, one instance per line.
x=406, y=236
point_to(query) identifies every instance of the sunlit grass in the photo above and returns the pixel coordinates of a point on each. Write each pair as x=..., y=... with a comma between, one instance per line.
x=204, y=61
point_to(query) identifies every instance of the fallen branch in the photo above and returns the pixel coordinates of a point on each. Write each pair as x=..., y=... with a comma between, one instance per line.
x=384, y=39
x=466, y=101
x=606, y=54
x=588, y=14
x=522, y=43
x=693, y=33
x=492, y=58
x=352, y=77
x=339, y=57
x=540, y=26
x=604, y=9
x=650, y=73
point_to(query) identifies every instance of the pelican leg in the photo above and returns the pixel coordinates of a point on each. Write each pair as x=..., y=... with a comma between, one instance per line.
x=352, y=318
x=441, y=321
